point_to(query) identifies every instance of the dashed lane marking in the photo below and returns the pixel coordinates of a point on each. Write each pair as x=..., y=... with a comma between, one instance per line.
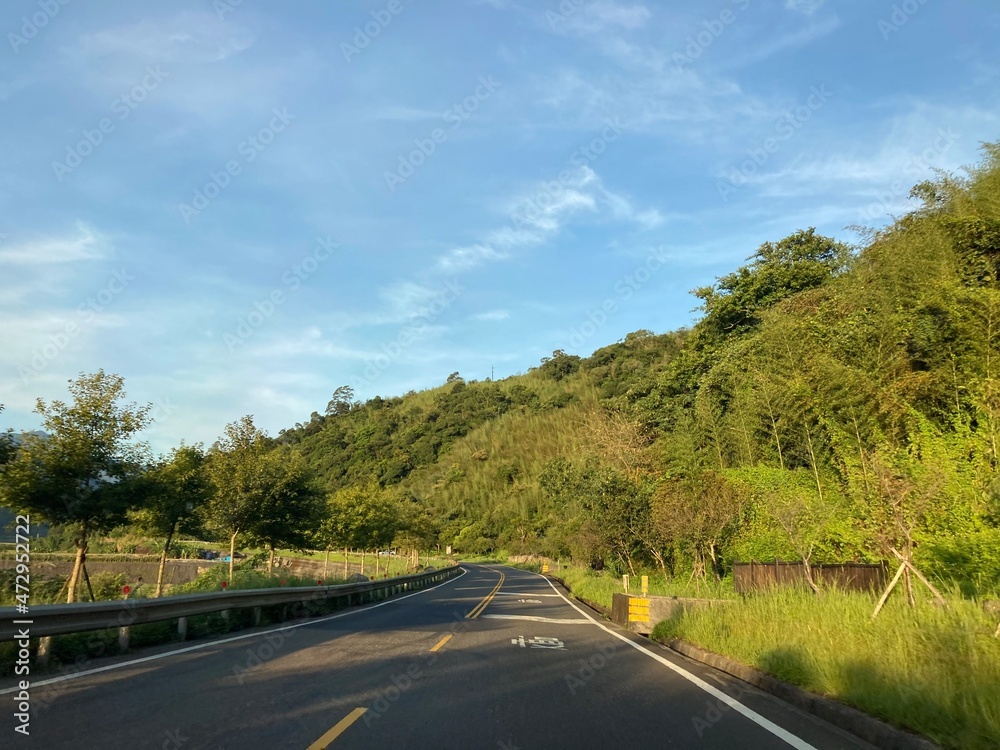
x=338, y=729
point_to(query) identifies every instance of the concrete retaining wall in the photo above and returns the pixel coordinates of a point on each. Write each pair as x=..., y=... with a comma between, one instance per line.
x=641, y=613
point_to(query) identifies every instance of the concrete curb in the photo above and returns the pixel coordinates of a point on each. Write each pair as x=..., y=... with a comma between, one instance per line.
x=868, y=728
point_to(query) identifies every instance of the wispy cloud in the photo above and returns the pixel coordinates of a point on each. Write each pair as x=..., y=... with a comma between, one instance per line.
x=807, y=7
x=492, y=315
x=188, y=37
x=83, y=245
x=598, y=17
x=465, y=258
x=540, y=212
x=784, y=41
x=402, y=113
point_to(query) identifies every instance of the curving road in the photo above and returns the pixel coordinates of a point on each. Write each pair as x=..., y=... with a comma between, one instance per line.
x=495, y=659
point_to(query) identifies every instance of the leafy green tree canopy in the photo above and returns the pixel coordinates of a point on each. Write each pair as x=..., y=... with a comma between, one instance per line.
x=175, y=489
x=802, y=260
x=82, y=470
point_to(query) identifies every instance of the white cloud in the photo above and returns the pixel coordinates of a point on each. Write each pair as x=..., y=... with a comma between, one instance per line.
x=287, y=344
x=492, y=315
x=776, y=43
x=188, y=37
x=402, y=113
x=807, y=7
x=599, y=17
x=465, y=258
x=84, y=244
x=541, y=212
x=196, y=55
x=406, y=299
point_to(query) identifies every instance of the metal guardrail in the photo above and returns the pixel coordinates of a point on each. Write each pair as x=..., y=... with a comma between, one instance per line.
x=63, y=619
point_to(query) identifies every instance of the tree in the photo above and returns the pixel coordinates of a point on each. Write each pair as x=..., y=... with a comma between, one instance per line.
x=290, y=504
x=239, y=486
x=808, y=518
x=7, y=445
x=698, y=515
x=559, y=365
x=359, y=516
x=417, y=529
x=176, y=489
x=802, y=260
x=341, y=403
x=82, y=470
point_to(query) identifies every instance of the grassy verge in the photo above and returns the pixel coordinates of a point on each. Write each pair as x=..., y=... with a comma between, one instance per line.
x=935, y=671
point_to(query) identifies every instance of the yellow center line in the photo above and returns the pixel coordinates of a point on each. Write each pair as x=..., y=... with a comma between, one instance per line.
x=324, y=742
x=442, y=642
x=478, y=609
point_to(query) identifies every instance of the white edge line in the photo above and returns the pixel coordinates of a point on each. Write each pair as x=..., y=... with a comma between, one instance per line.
x=209, y=644
x=756, y=718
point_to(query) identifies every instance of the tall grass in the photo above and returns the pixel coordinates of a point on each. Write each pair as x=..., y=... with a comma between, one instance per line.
x=933, y=670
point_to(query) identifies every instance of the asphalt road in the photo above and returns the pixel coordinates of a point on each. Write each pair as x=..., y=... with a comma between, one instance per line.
x=447, y=667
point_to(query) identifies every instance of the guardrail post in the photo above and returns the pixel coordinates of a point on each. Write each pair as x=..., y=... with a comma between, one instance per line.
x=256, y=616
x=44, y=650
x=225, y=615
x=182, y=627
x=123, y=634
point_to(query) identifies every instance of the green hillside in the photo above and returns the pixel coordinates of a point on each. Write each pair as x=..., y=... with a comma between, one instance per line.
x=832, y=403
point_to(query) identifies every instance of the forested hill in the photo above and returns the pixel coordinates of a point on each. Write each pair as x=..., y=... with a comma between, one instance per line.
x=831, y=403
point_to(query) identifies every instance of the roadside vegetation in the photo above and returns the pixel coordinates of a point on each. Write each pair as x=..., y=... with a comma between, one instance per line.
x=932, y=670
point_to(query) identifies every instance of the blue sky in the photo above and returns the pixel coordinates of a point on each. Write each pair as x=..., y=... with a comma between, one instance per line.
x=240, y=206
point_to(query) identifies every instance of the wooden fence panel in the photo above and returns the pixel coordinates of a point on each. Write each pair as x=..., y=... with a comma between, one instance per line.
x=755, y=576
